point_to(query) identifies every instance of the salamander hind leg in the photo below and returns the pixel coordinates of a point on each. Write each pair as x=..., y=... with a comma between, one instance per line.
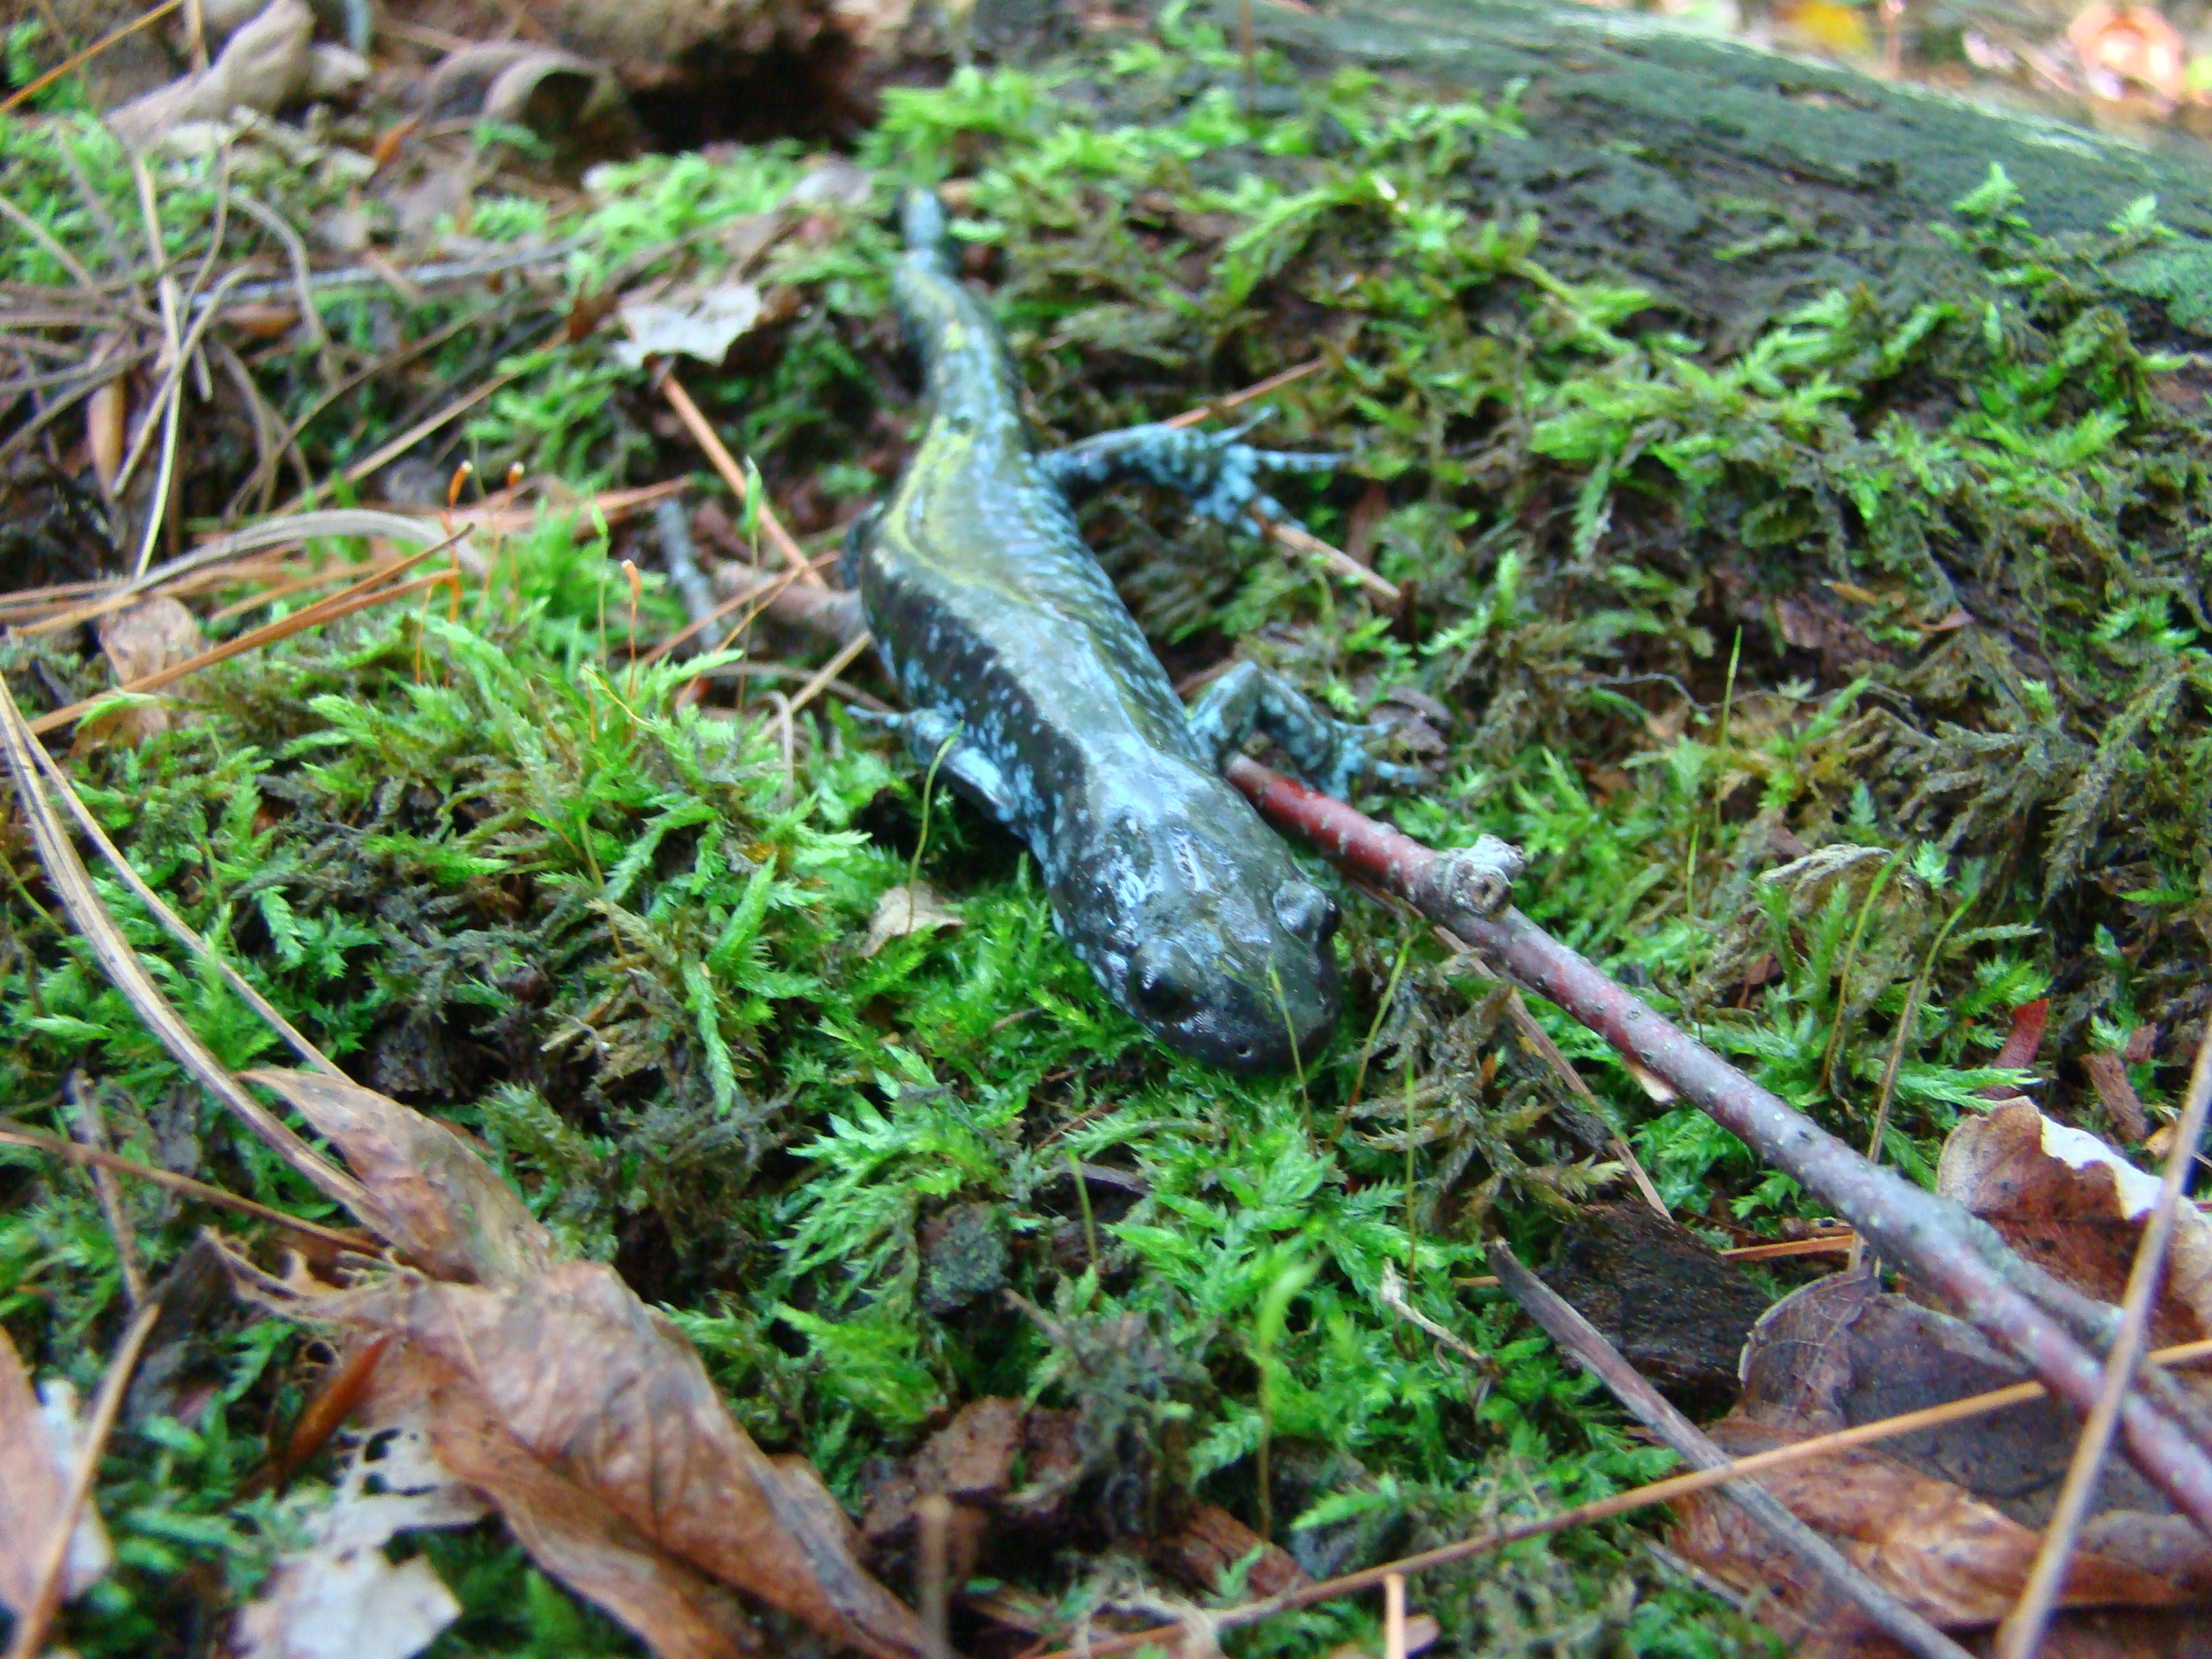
x=1329, y=753
x=1216, y=470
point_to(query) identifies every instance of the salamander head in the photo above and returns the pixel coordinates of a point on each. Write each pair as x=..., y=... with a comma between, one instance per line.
x=1195, y=919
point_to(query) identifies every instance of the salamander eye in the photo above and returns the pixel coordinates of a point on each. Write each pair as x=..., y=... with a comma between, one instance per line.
x=1163, y=982
x=1306, y=910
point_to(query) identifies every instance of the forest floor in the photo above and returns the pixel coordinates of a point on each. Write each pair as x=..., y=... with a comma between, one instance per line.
x=1842, y=673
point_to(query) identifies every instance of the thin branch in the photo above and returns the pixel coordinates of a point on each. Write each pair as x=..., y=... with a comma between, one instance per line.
x=1584, y=1343
x=2047, y=1323
x=2022, y=1632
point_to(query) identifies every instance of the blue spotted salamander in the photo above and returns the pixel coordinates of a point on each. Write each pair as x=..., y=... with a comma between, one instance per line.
x=1030, y=679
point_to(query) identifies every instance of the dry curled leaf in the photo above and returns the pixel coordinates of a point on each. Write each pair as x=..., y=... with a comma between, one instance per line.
x=443, y=1207
x=37, y=1446
x=583, y=1416
x=265, y=66
x=1949, y=1518
x=1957, y=1560
x=699, y=323
x=141, y=639
x=2072, y=1205
x=906, y=909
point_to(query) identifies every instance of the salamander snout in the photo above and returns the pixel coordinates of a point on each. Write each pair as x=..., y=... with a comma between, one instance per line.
x=1255, y=994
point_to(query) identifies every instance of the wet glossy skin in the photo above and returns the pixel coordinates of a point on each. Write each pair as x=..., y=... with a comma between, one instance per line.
x=990, y=611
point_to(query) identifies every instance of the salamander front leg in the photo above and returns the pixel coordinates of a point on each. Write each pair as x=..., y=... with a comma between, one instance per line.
x=930, y=735
x=1329, y=753
x=1216, y=470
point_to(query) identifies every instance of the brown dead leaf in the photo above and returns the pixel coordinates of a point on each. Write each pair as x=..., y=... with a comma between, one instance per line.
x=587, y=1419
x=1955, y=1560
x=443, y=1207
x=1948, y=1517
x=589, y=1382
x=106, y=414
x=904, y=911
x=265, y=66
x=677, y=1610
x=144, y=639
x=2072, y=1205
x=36, y=1445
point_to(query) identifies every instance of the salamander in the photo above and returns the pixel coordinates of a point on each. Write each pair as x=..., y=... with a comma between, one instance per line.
x=1035, y=694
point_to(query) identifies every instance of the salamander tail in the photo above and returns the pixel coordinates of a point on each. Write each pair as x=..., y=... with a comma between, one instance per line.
x=922, y=217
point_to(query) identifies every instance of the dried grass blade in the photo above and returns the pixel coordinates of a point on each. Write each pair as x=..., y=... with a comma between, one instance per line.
x=65, y=871
x=290, y=529
x=178, y=927
x=16, y=1135
x=78, y=59
x=331, y=610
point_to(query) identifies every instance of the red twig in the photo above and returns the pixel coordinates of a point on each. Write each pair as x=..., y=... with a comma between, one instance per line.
x=1953, y=1253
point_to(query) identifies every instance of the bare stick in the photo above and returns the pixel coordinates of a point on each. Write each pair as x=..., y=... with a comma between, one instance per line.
x=1582, y=1341
x=1394, y=1617
x=2022, y=1632
x=30, y=1630
x=1959, y=1256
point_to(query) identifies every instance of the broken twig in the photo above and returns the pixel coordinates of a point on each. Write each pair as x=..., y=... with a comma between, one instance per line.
x=2042, y=1321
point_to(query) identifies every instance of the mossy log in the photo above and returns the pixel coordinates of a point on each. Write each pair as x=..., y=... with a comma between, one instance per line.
x=1733, y=181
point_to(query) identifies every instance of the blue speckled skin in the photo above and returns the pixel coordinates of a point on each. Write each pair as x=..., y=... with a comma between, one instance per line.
x=1007, y=639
